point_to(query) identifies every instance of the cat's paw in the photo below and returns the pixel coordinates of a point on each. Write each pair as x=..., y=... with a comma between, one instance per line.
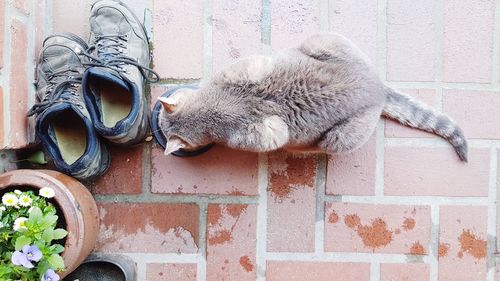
x=268, y=135
x=274, y=133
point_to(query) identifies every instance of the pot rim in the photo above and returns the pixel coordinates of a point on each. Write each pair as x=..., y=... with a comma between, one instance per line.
x=68, y=205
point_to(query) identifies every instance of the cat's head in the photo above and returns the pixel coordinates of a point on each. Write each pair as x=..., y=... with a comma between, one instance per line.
x=183, y=121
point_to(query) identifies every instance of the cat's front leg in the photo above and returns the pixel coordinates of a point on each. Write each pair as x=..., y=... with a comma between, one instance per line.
x=268, y=135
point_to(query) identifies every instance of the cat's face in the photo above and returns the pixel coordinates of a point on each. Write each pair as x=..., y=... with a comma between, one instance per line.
x=181, y=122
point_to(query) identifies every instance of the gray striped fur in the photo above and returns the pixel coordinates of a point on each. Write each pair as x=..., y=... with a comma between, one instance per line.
x=323, y=96
x=412, y=113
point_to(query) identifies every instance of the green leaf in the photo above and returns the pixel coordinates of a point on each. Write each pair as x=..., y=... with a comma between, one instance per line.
x=48, y=221
x=37, y=158
x=5, y=270
x=56, y=262
x=35, y=214
x=42, y=267
x=21, y=241
x=59, y=234
x=48, y=235
x=56, y=249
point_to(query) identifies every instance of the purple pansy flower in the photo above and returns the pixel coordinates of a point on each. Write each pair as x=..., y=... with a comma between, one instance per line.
x=50, y=275
x=26, y=256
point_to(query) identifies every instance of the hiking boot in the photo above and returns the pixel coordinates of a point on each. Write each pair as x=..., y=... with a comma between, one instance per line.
x=113, y=86
x=62, y=123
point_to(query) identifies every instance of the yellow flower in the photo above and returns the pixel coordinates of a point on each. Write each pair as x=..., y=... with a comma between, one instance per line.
x=25, y=200
x=9, y=199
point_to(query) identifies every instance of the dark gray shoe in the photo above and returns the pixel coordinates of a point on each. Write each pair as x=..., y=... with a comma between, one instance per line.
x=63, y=124
x=113, y=86
x=105, y=267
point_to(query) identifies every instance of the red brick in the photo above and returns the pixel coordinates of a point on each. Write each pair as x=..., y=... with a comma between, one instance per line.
x=236, y=31
x=497, y=271
x=2, y=115
x=368, y=228
x=463, y=238
x=317, y=271
x=156, y=92
x=74, y=19
x=231, y=235
x=357, y=22
x=435, y=172
x=476, y=112
x=292, y=21
x=468, y=58
x=148, y=228
x=171, y=272
x=291, y=203
x=218, y=171
x=497, y=203
x=178, y=38
x=22, y=5
x=353, y=173
x=394, y=129
x=2, y=28
x=406, y=272
x=410, y=40
x=40, y=15
x=125, y=173
x=18, y=86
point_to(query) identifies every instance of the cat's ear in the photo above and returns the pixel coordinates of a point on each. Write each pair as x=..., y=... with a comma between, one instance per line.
x=169, y=104
x=174, y=144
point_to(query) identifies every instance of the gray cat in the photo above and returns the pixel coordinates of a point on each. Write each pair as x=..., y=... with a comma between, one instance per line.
x=320, y=97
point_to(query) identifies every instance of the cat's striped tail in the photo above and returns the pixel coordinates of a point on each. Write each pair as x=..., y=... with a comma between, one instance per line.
x=410, y=112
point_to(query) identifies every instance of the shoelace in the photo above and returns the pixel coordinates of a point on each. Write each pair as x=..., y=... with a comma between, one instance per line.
x=62, y=85
x=62, y=88
x=110, y=54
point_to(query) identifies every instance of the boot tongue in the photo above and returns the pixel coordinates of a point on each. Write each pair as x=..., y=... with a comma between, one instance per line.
x=107, y=74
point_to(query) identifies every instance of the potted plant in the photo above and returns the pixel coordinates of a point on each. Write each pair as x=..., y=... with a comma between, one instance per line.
x=27, y=234
x=49, y=224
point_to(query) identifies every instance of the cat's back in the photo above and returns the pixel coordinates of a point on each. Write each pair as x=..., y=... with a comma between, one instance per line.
x=299, y=78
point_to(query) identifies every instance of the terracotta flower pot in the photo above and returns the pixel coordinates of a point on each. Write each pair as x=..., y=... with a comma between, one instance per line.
x=76, y=204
